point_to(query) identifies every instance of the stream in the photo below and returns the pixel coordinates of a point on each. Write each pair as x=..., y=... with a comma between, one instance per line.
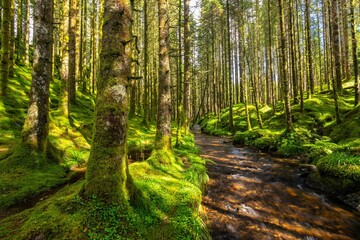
x=252, y=195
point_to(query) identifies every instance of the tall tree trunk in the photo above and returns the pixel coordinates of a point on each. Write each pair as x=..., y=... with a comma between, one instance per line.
x=355, y=53
x=337, y=85
x=11, y=41
x=72, y=50
x=107, y=174
x=64, y=60
x=310, y=75
x=163, y=125
x=293, y=53
x=231, y=121
x=5, y=44
x=35, y=129
x=187, y=77
x=345, y=39
x=285, y=82
x=146, y=59
x=273, y=100
x=27, y=34
x=19, y=32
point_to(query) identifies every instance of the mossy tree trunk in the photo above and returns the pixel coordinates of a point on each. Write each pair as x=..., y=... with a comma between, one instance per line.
x=229, y=65
x=187, y=77
x=64, y=59
x=284, y=80
x=336, y=81
x=309, y=64
x=107, y=171
x=19, y=32
x=72, y=50
x=354, y=52
x=35, y=129
x=6, y=18
x=27, y=33
x=163, y=125
x=11, y=41
x=146, y=59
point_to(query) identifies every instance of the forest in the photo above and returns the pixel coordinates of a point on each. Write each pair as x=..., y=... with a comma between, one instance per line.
x=179, y=119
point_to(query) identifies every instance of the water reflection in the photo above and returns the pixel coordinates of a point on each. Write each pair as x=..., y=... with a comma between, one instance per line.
x=254, y=196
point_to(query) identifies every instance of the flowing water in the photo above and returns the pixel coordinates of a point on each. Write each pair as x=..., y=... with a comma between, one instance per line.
x=254, y=196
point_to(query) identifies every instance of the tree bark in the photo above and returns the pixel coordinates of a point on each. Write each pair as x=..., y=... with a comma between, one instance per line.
x=35, y=129
x=11, y=42
x=337, y=85
x=27, y=33
x=310, y=76
x=354, y=53
x=285, y=82
x=187, y=77
x=231, y=121
x=72, y=50
x=107, y=174
x=163, y=126
x=5, y=44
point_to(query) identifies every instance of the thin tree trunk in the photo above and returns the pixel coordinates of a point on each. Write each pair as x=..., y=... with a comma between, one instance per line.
x=187, y=77
x=146, y=59
x=336, y=54
x=35, y=129
x=293, y=53
x=283, y=67
x=72, y=50
x=231, y=121
x=163, y=126
x=355, y=53
x=64, y=60
x=12, y=42
x=27, y=34
x=5, y=44
x=310, y=76
x=19, y=32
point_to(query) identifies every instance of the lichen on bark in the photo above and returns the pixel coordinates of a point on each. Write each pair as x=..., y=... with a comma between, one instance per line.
x=107, y=175
x=35, y=129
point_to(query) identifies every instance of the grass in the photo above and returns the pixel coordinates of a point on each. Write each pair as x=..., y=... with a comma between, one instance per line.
x=168, y=204
x=315, y=135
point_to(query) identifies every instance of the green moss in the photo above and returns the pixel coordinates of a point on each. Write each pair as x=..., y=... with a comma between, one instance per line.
x=25, y=174
x=169, y=207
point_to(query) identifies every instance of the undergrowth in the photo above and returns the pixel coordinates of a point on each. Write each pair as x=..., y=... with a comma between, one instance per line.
x=315, y=136
x=168, y=205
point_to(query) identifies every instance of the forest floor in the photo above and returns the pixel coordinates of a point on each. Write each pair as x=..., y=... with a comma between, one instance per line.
x=332, y=149
x=39, y=198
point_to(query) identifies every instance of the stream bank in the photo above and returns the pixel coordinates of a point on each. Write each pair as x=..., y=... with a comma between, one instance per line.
x=255, y=196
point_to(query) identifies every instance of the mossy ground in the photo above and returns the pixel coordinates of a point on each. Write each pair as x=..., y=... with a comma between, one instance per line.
x=168, y=202
x=315, y=136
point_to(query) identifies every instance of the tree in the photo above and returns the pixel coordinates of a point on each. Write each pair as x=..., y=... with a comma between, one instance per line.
x=187, y=79
x=285, y=82
x=163, y=124
x=231, y=121
x=354, y=53
x=107, y=175
x=5, y=44
x=72, y=51
x=310, y=76
x=35, y=129
x=336, y=81
x=64, y=58
x=27, y=33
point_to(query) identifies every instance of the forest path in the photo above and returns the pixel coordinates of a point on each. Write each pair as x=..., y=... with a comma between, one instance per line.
x=254, y=196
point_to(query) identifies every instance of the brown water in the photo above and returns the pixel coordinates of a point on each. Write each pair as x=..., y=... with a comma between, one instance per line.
x=255, y=196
